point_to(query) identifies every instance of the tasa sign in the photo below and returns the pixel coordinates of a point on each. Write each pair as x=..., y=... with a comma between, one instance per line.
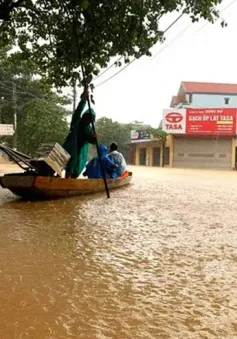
x=174, y=121
x=211, y=121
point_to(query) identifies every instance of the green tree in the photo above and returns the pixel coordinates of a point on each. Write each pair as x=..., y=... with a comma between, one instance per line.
x=44, y=31
x=112, y=131
x=159, y=134
x=41, y=125
x=40, y=114
x=109, y=131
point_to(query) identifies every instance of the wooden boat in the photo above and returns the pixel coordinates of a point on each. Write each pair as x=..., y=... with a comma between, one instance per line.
x=34, y=187
x=37, y=181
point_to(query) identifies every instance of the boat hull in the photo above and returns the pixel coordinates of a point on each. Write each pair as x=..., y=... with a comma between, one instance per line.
x=32, y=187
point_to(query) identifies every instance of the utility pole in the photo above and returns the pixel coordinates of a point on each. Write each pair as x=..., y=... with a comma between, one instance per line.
x=74, y=96
x=14, y=98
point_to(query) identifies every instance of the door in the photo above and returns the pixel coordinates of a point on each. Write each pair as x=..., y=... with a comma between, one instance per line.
x=156, y=156
x=166, y=156
x=202, y=153
x=235, y=157
x=132, y=156
x=142, y=157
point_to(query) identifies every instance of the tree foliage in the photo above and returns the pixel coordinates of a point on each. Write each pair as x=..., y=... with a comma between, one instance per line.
x=44, y=31
x=40, y=114
x=109, y=131
x=158, y=133
x=41, y=125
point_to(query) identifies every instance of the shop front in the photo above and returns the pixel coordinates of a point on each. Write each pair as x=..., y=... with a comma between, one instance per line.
x=202, y=138
x=152, y=153
x=191, y=152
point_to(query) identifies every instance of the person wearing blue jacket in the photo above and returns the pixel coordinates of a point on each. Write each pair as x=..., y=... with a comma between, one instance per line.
x=93, y=168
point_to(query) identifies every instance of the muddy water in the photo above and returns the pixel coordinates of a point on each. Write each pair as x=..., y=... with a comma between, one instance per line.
x=157, y=260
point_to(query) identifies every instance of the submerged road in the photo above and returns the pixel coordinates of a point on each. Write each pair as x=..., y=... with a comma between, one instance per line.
x=156, y=261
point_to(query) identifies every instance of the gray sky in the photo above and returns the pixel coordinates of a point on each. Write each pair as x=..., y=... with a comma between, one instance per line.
x=141, y=91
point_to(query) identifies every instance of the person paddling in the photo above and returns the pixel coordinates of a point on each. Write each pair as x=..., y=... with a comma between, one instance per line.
x=79, y=137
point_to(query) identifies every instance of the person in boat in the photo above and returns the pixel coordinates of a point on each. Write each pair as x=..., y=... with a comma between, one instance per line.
x=79, y=137
x=93, y=168
x=118, y=159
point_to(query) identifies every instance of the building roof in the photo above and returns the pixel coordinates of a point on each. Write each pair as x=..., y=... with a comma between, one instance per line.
x=172, y=102
x=175, y=99
x=209, y=87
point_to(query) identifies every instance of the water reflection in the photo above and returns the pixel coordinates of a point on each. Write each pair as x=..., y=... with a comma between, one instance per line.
x=158, y=260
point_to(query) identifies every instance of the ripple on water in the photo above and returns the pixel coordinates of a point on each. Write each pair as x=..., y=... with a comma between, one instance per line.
x=158, y=260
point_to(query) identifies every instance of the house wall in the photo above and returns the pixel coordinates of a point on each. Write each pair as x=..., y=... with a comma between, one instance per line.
x=212, y=100
x=150, y=145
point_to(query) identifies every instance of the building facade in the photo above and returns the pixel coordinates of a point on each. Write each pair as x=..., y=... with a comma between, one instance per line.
x=202, y=94
x=202, y=137
x=153, y=153
x=201, y=127
x=149, y=151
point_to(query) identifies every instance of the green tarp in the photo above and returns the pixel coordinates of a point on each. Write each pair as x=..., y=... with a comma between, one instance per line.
x=78, y=139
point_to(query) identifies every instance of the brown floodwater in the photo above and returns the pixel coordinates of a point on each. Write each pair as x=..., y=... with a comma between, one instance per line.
x=157, y=260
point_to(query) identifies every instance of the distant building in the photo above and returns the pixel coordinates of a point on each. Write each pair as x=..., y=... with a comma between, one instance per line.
x=205, y=94
x=139, y=135
x=201, y=126
x=147, y=150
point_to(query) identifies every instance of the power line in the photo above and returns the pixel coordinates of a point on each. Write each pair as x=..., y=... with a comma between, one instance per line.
x=187, y=27
x=114, y=75
x=107, y=69
x=223, y=10
x=177, y=19
x=10, y=89
x=172, y=41
x=120, y=58
x=23, y=91
x=103, y=82
x=174, y=22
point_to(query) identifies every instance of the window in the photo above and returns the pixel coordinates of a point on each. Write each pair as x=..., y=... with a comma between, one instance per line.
x=190, y=98
x=227, y=100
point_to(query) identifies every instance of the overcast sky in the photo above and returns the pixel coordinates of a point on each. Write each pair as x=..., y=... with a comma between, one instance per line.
x=143, y=89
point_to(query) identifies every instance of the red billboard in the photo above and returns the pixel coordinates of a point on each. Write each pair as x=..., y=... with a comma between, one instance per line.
x=215, y=121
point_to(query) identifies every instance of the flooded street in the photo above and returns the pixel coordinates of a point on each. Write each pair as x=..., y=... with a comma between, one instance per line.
x=157, y=260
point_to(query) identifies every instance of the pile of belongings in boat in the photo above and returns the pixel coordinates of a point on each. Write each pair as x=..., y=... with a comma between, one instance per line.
x=52, y=158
